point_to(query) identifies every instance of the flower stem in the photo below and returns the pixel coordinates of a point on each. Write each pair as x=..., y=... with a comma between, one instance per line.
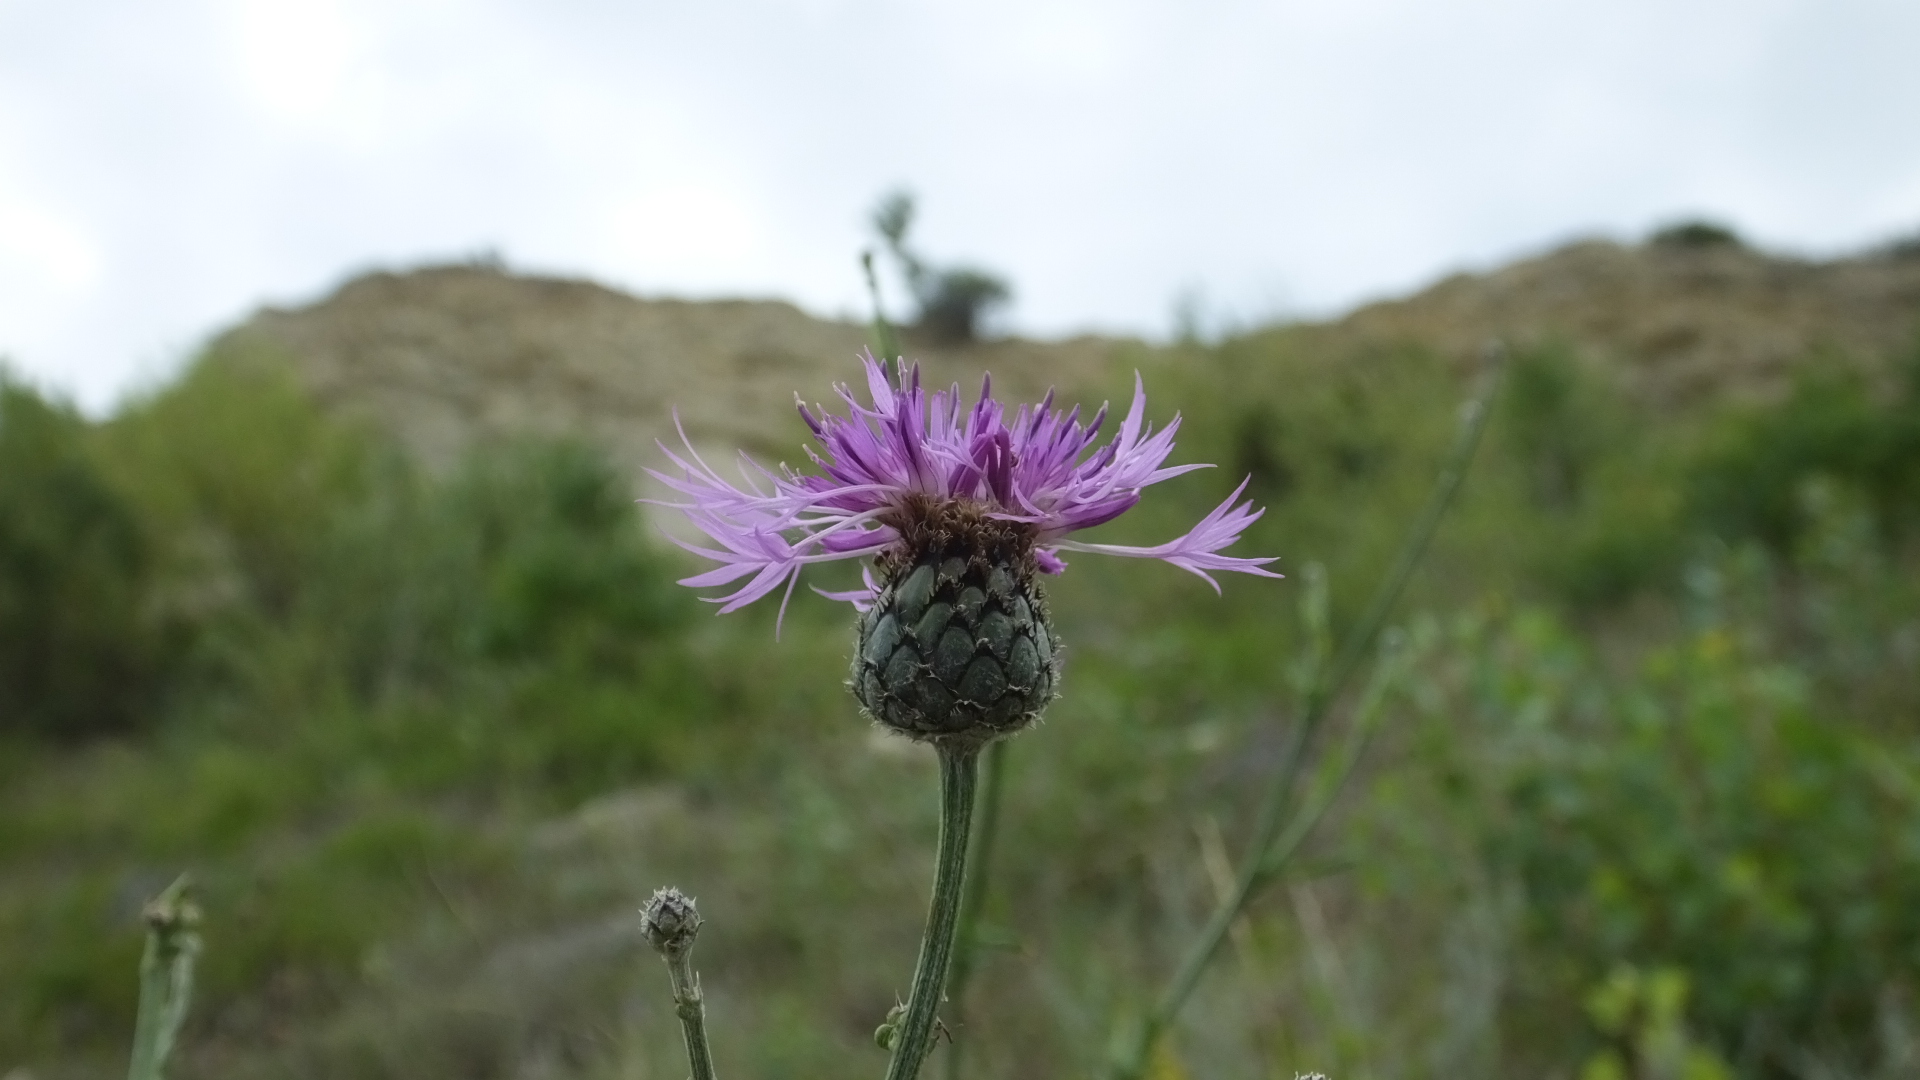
x=967, y=943
x=1265, y=856
x=691, y=1010
x=959, y=774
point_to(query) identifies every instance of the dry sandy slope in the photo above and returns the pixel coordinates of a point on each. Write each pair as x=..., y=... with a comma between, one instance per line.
x=445, y=355
x=1674, y=323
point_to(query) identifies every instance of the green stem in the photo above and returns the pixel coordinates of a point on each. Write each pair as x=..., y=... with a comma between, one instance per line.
x=1366, y=723
x=967, y=945
x=691, y=1009
x=1259, y=865
x=959, y=774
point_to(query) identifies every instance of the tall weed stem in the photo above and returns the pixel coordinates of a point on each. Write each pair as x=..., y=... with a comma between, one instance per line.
x=1264, y=857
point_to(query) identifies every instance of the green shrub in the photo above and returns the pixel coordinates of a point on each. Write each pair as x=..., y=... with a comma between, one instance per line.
x=1699, y=817
x=1748, y=482
x=1553, y=419
x=354, y=642
x=563, y=566
x=240, y=478
x=80, y=653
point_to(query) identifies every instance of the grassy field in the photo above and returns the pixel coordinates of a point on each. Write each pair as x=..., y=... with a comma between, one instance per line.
x=1645, y=802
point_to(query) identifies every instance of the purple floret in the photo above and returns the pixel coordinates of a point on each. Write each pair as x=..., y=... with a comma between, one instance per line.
x=912, y=446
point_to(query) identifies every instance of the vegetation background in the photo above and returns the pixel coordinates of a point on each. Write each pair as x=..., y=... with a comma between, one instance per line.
x=356, y=620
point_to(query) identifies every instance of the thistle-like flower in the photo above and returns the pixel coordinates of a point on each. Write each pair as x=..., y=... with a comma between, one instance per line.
x=960, y=509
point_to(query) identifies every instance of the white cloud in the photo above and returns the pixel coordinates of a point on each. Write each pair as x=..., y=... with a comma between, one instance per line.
x=192, y=159
x=45, y=256
x=298, y=59
x=695, y=230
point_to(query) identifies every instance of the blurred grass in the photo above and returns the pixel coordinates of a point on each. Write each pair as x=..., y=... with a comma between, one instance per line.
x=426, y=740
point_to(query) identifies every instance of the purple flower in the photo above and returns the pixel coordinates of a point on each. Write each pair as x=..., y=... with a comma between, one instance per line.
x=887, y=465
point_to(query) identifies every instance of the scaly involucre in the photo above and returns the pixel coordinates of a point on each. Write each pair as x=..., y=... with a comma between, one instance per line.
x=910, y=448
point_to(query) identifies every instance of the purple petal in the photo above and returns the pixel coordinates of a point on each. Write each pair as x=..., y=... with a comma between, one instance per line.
x=1038, y=465
x=1198, y=551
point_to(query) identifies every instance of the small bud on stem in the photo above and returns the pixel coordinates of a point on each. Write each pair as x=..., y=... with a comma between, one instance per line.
x=671, y=924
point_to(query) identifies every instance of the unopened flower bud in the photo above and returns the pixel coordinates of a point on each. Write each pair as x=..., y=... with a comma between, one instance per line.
x=888, y=1032
x=670, y=922
x=172, y=911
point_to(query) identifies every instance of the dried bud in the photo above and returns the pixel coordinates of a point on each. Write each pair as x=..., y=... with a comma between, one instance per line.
x=172, y=911
x=670, y=922
x=957, y=647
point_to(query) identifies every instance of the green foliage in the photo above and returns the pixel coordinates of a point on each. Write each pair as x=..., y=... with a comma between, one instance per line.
x=560, y=573
x=79, y=650
x=1644, y=1013
x=1727, y=833
x=425, y=739
x=239, y=478
x=319, y=644
x=1610, y=518
x=1555, y=423
x=1832, y=425
x=1700, y=818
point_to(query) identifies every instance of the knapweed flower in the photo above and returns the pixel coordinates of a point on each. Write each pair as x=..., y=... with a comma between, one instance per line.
x=960, y=509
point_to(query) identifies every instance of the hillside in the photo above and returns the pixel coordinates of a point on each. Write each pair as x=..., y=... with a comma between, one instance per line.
x=425, y=737
x=1675, y=322
x=447, y=354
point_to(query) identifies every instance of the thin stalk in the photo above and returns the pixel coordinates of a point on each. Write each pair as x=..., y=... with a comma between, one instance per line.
x=692, y=1011
x=166, y=980
x=884, y=338
x=980, y=864
x=1258, y=866
x=959, y=774
x=1387, y=673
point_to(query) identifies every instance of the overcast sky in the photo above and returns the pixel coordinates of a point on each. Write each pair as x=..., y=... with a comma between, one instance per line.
x=167, y=166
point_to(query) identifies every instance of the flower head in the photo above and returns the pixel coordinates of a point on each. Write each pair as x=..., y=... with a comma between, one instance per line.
x=670, y=921
x=911, y=462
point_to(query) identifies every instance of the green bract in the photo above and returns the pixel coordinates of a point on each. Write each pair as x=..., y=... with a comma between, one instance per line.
x=956, y=649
